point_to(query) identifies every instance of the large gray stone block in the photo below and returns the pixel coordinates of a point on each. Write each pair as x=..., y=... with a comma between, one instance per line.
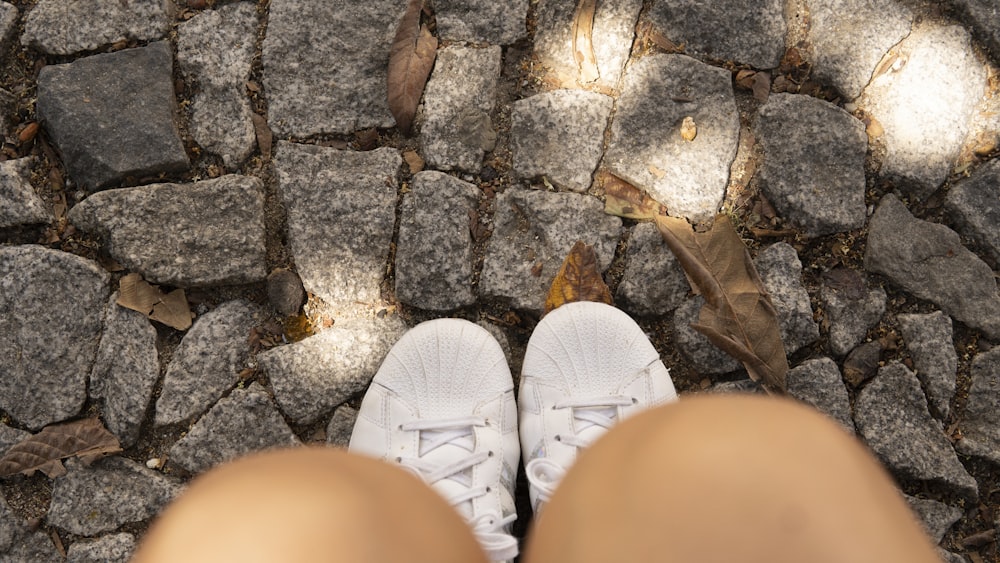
x=57, y=27
x=341, y=212
x=929, y=261
x=781, y=273
x=814, y=163
x=646, y=147
x=850, y=314
x=326, y=65
x=112, y=115
x=478, y=21
x=818, y=383
x=928, y=339
x=434, y=253
x=19, y=204
x=533, y=232
x=974, y=205
x=51, y=306
x=112, y=548
x=206, y=233
x=936, y=517
x=654, y=283
x=981, y=420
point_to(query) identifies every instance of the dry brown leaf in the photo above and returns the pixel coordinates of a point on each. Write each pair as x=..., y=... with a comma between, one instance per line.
x=689, y=130
x=263, y=133
x=414, y=161
x=86, y=439
x=579, y=279
x=737, y=316
x=625, y=200
x=410, y=61
x=170, y=309
x=583, y=41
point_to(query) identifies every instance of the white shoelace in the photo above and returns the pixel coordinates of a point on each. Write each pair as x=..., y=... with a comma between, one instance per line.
x=595, y=416
x=489, y=526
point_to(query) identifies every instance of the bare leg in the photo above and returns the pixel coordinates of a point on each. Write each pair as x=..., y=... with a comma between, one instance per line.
x=723, y=479
x=309, y=505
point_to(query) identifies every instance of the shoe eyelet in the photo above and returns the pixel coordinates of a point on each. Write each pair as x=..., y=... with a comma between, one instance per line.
x=489, y=490
x=490, y=453
x=399, y=460
x=558, y=438
x=400, y=427
x=635, y=401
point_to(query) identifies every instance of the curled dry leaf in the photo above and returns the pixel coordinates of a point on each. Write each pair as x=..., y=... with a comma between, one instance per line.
x=688, y=129
x=583, y=41
x=86, y=439
x=579, y=279
x=625, y=200
x=738, y=315
x=410, y=62
x=170, y=309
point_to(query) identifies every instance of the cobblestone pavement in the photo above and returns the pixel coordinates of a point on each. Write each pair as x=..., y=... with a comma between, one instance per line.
x=243, y=151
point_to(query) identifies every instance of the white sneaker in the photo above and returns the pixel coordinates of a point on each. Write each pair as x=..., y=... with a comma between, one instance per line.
x=442, y=405
x=588, y=365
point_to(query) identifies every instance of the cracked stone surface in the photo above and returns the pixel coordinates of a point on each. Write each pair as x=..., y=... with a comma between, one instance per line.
x=49, y=353
x=818, y=383
x=458, y=100
x=215, y=50
x=928, y=338
x=341, y=213
x=936, y=517
x=107, y=494
x=125, y=370
x=781, y=272
x=246, y=421
x=112, y=548
x=613, y=30
x=813, y=170
x=974, y=205
x=850, y=314
x=647, y=149
x=325, y=65
x=981, y=421
x=850, y=37
x=19, y=204
x=892, y=417
x=929, y=261
x=654, y=282
x=8, y=21
x=533, y=233
x=313, y=376
x=57, y=27
x=925, y=106
x=208, y=361
x=559, y=135
x=205, y=233
x=434, y=254
x=478, y=21
x=725, y=30
x=112, y=115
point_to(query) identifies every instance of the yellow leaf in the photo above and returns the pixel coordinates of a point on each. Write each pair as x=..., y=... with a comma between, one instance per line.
x=579, y=279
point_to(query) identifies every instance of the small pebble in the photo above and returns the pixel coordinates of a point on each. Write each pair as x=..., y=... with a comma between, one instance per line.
x=154, y=463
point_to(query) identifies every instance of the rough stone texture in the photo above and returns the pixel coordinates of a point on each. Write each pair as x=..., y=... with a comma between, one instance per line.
x=341, y=212
x=974, y=206
x=125, y=370
x=818, y=383
x=984, y=16
x=341, y=426
x=215, y=50
x=478, y=21
x=8, y=23
x=926, y=106
x=850, y=37
x=746, y=386
x=704, y=356
x=112, y=115
x=981, y=420
x=246, y=421
x=814, y=163
x=647, y=149
x=205, y=233
x=19, y=544
x=312, y=376
x=850, y=314
x=929, y=261
x=892, y=417
x=533, y=232
x=458, y=100
x=928, y=339
x=107, y=494
x=51, y=305
x=654, y=283
x=560, y=135
x=207, y=362
x=434, y=253
x=325, y=64
x=725, y=29
x=57, y=27
x=613, y=33
x=10, y=436
x=936, y=517
x=19, y=204
x=949, y=557
x=781, y=271
x=285, y=292
x=113, y=548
